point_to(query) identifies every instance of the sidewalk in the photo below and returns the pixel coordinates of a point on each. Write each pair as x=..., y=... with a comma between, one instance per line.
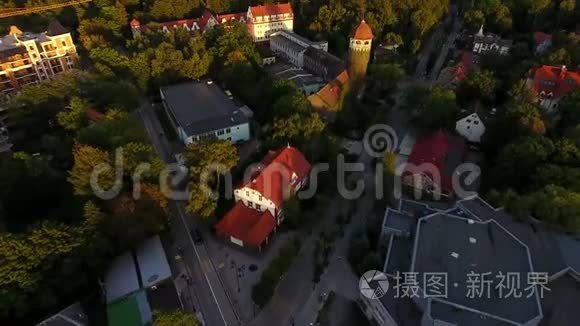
x=230, y=260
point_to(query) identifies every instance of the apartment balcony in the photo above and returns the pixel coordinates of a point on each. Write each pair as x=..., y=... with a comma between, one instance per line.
x=57, y=53
x=25, y=74
x=27, y=80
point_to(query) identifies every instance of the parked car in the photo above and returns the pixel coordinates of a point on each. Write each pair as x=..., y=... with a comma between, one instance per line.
x=196, y=236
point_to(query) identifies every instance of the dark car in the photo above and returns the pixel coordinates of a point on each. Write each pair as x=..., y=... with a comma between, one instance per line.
x=196, y=236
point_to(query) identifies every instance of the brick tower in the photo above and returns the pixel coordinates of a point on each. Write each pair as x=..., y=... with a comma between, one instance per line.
x=359, y=52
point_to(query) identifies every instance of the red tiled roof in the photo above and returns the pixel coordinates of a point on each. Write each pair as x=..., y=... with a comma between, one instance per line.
x=362, y=32
x=274, y=181
x=541, y=37
x=246, y=224
x=261, y=230
x=556, y=80
x=271, y=9
x=135, y=23
x=193, y=24
x=330, y=93
x=241, y=16
x=437, y=150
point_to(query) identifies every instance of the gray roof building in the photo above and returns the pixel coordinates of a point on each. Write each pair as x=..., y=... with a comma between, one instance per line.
x=323, y=64
x=72, y=315
x=470, y=237
x=199, y=108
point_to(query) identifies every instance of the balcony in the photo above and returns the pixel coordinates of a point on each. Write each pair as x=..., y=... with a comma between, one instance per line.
x=57, y=53
x=24, y=73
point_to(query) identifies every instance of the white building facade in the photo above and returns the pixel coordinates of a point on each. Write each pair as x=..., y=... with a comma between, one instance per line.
x=265, y=20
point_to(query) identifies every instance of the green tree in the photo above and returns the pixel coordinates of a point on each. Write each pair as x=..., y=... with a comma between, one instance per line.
x=86, y=159
x=528, y=118
x=231, y=44
x=479, y=85
x=519, y=159
x=205, y=153
x=163, y=10
x=520, y=93
x=75, y=116
x=385, y=77
x=559, y=57
x=212, y=156
x=474, y=19
x=569, y=107
x=437, y=109
x=296, y=129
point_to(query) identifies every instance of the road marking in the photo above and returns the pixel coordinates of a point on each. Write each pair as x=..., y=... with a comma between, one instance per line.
x=180, y=212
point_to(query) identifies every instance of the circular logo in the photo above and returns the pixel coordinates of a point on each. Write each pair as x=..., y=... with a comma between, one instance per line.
x=373, y=284
x=379, y=139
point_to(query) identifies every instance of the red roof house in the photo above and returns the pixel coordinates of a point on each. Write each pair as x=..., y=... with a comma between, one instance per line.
x=432, y=163
x=271, y=9
x=240, y=16
x=257, y=210
x=552, y=83
x=328, y=97
x=202, y=24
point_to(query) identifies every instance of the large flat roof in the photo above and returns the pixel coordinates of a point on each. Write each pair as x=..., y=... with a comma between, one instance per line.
x=200, y=107
x=560, y=304
x=458, y=247
x=121, y=279
x=152, y=261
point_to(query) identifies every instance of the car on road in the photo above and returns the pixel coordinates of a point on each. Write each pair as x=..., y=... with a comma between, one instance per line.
x=196, y=236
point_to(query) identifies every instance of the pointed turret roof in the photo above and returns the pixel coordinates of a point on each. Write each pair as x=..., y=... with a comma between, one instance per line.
x=55, y=28
x=362, y=32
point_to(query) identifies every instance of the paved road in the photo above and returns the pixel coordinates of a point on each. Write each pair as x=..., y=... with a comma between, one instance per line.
x=421, y=69
x=210, y=295
x=443, y=54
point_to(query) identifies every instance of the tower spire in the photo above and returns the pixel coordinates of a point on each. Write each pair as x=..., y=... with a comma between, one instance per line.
x=480, y=33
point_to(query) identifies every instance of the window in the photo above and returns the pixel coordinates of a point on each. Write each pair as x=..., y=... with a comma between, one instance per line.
x=228, y=130
x=31, y=48
x=63, y=43
x=250, y=204
x=247, y=194
x=260, y=198
x=258, y=207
